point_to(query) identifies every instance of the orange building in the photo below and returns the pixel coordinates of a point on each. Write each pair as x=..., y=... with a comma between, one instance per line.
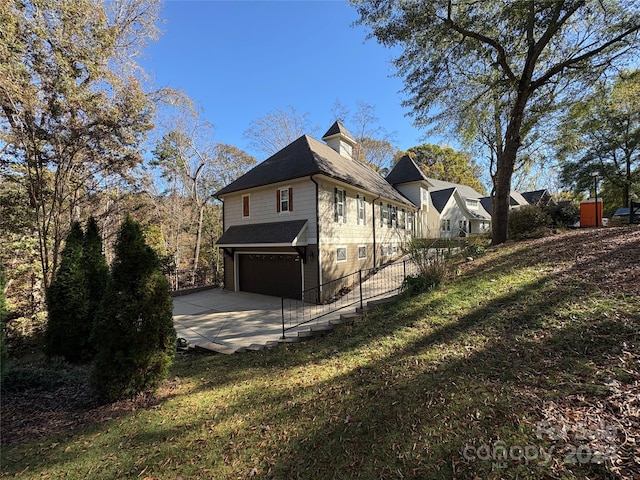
x=588, y=213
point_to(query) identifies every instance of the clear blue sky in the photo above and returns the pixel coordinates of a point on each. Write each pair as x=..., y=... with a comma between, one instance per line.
x=241, y=60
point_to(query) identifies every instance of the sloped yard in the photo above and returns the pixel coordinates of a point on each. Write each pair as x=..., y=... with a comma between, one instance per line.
x=526, y=365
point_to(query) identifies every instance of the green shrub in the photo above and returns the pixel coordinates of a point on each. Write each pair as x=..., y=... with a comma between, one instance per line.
x=96, y=270
x=417, y=284
x=68, y=332
x=3, y=316
x=527, y=222
x=433, y=266
x=564, y=213
x=134, y=333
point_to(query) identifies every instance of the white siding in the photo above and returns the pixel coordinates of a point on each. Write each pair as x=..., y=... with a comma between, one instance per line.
x=263, y=209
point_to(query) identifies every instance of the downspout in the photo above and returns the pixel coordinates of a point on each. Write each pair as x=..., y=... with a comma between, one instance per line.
x=224, y=252
x=318, y=236
x=375, y=250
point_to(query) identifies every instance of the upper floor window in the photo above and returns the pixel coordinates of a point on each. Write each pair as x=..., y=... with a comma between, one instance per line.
x=384, y=214
x=284, y=200
x=245, y=205
x=446, y=225
x=471, y=203
x=361, y=210
x=425, y=195
x=393, y=216
x=340, y=205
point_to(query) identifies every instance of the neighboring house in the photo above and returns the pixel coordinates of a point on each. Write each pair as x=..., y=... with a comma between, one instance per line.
x=445, y=209
x=308, y=215
x=541, y=198
x=516, y=200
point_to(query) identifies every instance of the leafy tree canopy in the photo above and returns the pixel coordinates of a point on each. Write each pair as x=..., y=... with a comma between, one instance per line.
x=602, y=134
x=445, y=163
x=507, y=63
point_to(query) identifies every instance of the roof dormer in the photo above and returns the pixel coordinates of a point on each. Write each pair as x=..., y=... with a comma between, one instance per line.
x=339, y=139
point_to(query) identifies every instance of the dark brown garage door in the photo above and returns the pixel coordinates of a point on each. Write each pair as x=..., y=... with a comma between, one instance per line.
x=277, y=275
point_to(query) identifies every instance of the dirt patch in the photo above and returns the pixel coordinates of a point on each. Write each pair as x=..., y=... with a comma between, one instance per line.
x=32, y=414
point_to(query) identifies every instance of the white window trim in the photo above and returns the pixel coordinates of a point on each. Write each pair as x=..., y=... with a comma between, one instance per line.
x=346, y=256
x=288, y=210
x=365, y=252
x=362, y=209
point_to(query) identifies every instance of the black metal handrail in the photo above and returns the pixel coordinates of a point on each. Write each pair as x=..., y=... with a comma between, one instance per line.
x=347, y=291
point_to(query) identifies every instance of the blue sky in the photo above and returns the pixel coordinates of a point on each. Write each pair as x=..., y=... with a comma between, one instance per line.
x=241, y=60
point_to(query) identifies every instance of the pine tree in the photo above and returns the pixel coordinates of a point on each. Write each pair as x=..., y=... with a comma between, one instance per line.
x=134, y=333
x=68, y=332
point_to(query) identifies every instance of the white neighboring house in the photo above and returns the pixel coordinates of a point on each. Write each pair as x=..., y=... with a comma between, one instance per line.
x=446, y=209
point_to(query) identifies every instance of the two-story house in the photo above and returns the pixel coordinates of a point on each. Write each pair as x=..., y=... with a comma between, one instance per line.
x=307, y=215
x=445, y=209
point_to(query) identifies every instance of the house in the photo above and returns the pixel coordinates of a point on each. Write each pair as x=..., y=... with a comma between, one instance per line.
x=516, y=200
x=308, y=215
x=541, y=198
x=445, y=209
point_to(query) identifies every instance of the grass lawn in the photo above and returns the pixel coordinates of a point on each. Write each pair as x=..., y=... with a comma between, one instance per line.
x=526, y=365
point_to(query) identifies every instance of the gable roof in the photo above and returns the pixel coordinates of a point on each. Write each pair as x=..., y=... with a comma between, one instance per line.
x=537, y=197
x=307, y=156
x=515, y=199
x=439, y=198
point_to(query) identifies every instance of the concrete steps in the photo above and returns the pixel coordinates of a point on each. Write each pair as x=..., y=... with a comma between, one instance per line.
x=312, y=331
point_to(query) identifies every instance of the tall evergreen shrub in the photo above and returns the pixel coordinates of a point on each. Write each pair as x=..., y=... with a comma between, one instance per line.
x=68, y=333
x=134, y=333
x=3, y=316
x=96, y=269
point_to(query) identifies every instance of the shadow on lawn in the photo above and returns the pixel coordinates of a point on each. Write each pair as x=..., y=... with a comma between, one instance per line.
x=469, y=379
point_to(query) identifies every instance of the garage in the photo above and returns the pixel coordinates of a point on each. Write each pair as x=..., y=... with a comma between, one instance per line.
x=278, y=275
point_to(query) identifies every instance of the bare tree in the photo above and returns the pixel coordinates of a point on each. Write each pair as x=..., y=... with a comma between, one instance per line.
x=277, y=129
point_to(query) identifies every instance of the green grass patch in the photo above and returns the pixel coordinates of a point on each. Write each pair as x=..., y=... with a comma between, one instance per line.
x=473, y=380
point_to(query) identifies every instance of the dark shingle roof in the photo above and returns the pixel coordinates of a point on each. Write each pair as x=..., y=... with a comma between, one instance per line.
x=439, y=198
x=405, y=171
x=307, y=156
x=337, y=128
x=263, y=233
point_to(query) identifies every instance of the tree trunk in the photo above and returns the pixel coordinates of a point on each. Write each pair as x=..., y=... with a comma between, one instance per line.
x=504, y=171
x=196, y=256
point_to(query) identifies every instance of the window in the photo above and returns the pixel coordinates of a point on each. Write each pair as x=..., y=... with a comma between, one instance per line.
x=384, y=214
x=410, y=221
x=284, y=200
x=340, y=205
x=402, y=222
x=472, y=203
x=446, y=225
x=362, y=252
x=425, y=194
x=361, y=210
x=245, y=205
x=341, y=254
x=393, y=216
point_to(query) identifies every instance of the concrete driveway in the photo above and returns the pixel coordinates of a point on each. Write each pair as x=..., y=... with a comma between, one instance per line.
x=225, y=322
